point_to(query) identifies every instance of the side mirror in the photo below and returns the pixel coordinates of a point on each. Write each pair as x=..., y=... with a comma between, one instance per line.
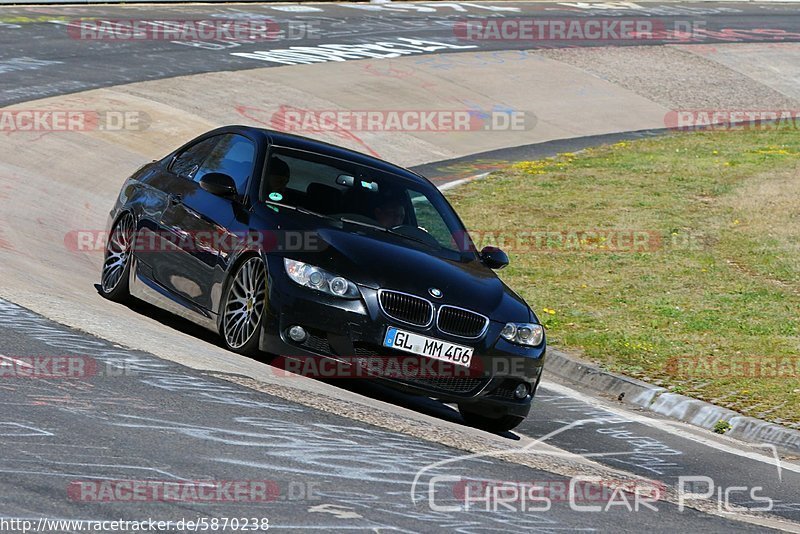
x=219, y=184
x=494, y=258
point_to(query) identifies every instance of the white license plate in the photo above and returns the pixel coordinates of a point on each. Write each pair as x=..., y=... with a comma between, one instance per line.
x=427, y=346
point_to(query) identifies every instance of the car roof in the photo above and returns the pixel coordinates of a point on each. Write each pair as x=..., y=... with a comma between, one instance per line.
x=298, y=142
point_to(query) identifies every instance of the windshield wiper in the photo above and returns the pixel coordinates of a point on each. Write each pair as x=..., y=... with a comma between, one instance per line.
x=389, y=231
x=362, y=223
x=412, y=238
x=350, y=221
x=297, y=208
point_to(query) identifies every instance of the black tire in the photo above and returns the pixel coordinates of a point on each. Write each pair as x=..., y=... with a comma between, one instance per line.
x=503, y=423
x=250, y=312
x=115, y=276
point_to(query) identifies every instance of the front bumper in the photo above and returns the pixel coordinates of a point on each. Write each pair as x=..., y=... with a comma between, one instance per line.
x=349, y=330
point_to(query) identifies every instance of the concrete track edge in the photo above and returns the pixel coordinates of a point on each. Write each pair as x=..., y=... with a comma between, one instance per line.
x=663, y=402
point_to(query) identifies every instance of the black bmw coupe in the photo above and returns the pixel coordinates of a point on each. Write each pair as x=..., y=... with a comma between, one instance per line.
x=293, y=247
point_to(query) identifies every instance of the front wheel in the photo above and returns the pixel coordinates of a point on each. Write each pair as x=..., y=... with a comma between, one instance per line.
x=503, y=423
x=243, y=309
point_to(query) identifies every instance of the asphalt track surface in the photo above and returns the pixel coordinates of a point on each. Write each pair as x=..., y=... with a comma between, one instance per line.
x=140, y=418
x=155, y=420
x=69, y=63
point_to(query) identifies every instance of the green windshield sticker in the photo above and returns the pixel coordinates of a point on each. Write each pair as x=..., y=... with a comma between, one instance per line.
x=277, y=197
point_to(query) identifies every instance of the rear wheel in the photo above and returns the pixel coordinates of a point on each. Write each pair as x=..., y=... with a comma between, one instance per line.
x=243, y=311
x=114, y=280
x=501, y=423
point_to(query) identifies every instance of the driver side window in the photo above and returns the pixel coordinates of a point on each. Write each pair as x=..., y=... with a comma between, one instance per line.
x=188, y=162
x=233, y=155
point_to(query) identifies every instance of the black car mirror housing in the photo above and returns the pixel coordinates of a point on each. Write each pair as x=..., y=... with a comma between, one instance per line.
x=219, y=184
x=494, y=258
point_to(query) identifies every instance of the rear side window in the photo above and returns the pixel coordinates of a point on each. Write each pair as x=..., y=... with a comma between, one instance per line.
x=188, y=162
x=233, y=155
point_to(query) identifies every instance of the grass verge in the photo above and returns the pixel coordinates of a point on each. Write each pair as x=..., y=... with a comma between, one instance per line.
x=675, y=260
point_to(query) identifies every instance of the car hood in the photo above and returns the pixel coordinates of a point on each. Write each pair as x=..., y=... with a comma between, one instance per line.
x=383, y=261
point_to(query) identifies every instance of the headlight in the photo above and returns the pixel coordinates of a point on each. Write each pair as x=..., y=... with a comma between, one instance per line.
x=319, y=279
x=528, y=334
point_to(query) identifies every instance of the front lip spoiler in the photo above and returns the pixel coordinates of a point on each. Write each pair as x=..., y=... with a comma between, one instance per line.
x=417, y=385
x=438, y=393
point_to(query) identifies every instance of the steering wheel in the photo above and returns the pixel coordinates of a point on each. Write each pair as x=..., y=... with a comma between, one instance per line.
x=417, y=233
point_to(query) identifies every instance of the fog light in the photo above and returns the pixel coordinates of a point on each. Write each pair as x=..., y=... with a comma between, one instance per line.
x=297, y=334
x=521, y=391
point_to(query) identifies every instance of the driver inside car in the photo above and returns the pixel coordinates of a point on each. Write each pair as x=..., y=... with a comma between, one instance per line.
x=278, y=175
x=390, y=212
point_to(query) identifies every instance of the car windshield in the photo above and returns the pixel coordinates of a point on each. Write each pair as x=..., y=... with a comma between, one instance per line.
x=363, y=196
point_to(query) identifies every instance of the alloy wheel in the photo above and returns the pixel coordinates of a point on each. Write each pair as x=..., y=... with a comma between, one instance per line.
x=118, y=251
x=245, y=303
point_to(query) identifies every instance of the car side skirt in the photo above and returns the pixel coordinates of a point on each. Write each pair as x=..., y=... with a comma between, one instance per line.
x=148, y=290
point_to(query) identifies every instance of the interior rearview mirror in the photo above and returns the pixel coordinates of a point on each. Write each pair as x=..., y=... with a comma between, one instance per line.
x=345, y=180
